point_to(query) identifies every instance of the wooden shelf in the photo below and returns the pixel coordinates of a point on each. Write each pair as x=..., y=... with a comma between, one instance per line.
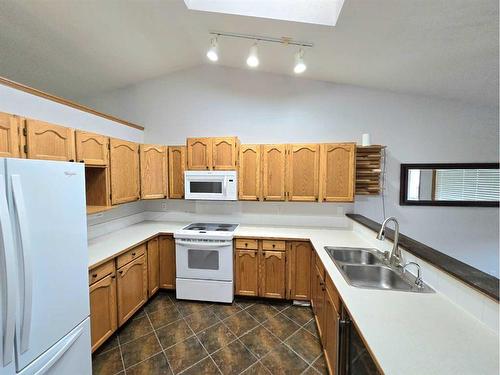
x=368, y=169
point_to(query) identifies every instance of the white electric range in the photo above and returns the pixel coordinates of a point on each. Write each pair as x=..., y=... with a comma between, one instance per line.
x=204, y=262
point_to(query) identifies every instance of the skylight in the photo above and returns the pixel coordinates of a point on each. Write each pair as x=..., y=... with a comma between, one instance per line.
x=320, y=12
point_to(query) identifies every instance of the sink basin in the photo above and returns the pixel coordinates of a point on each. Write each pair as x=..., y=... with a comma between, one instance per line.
x=353, y=255
x=380, y=277
x=366, y=268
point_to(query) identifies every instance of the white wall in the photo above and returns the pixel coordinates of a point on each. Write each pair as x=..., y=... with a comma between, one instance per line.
x=260, y=107
x=24, y=104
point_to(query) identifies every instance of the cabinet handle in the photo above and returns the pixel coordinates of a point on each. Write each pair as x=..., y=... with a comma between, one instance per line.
x=120, y=272
x=71, y=160
x=274, y=245
x=133, y=254
x=82, y=161
x=113, y=276
x=94, y=275
x=246, y=245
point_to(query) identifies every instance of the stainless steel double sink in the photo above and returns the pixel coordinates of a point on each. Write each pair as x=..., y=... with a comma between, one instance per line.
x=367, y=268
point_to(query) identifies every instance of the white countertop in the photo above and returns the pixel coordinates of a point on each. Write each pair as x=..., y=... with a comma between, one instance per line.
x=408, y=333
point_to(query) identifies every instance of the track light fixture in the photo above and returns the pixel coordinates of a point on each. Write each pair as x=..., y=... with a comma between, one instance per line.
x=213, y=51
x=300, y=65
x=253, y=57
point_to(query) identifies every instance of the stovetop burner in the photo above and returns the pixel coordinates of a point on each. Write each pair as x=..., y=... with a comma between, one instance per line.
x=211, y=227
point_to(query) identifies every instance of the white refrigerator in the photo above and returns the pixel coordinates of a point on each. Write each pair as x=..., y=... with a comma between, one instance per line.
x=44, y=298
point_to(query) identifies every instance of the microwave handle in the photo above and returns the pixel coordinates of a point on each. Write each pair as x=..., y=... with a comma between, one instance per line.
x=225, y=186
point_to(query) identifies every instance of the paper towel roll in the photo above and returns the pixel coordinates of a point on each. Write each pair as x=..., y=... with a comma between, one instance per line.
x=365, y=141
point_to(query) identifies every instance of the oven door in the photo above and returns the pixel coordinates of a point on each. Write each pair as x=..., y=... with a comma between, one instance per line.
x=204, y=260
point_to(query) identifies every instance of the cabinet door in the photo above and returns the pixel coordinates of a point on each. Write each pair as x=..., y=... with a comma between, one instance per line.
x=153, y=171
x=246, y=271
x=153, y=266
x=124, y=171
x=338, y=168
x=10, y=136
x=224, y=153
x=176, y=167
x=249, y=173
x=132, y=287
x=167, y=262
x=299, y=270
x=319, y=302
x=273, y=172
x=49, y=142
x=103, y=318
x=272, y=274
x=92, y=149
x=331, y=333
x=199, y=154
x=303, y=172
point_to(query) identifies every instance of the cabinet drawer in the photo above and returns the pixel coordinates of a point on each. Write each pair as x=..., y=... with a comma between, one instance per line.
x=130, y=255
x=273, y=245
x=99, y=272
x=245, y=243
x=333, y=292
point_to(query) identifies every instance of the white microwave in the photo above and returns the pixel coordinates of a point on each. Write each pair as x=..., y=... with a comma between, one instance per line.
x=211, y=185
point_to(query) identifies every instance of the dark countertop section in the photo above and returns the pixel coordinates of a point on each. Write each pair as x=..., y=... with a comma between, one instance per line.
x=477, y=279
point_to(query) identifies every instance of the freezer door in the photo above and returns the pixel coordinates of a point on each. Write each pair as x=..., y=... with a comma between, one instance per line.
x=71, y=355
x=47, y=206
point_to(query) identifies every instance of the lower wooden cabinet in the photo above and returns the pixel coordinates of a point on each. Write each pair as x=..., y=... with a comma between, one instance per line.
x=331, y=327
x=132, y=288
x=167, y=262
x=103, y=317
x=153, y=266
x=299, y=270
x=318, y=297
x=272, y=274
x=246, y=270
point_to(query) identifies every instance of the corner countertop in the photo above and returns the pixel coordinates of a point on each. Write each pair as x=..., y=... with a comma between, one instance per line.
x=407, y=333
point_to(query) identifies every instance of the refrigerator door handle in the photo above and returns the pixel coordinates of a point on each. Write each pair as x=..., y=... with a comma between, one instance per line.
x=65, y=344
x=7, y=337
x=25, y=247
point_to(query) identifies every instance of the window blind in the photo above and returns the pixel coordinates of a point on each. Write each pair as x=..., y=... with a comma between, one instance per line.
x=467, y=185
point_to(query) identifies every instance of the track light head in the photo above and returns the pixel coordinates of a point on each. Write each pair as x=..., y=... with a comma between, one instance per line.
x=253, y=57
x=213, y=51
x=300, y=65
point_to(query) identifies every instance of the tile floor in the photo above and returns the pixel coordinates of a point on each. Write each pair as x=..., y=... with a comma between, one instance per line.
x=170, y=336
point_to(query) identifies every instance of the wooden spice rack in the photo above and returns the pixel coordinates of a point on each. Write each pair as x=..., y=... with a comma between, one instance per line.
x=369, y=169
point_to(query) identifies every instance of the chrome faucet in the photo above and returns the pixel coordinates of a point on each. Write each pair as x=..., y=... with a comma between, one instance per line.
x=395, y=254
x=418, y=281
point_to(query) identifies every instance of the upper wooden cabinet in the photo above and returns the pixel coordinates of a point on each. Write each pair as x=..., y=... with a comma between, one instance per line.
x=124, y=171
x=224, y=153
x=92, y=149
x=273, y=172
x=153, y=171
x=176, y=167
x=49, y=142
x=212, y=153
x=303, y=172
x=167, y=262
x=10, y=136
x=199, y=154
x=249, y=173
x=338, y=170
x=299, y=270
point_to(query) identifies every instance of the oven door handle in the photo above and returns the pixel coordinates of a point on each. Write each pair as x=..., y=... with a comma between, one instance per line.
x=200, y=245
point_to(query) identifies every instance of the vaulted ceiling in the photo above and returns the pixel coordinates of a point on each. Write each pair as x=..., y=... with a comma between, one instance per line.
x=80, y=48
